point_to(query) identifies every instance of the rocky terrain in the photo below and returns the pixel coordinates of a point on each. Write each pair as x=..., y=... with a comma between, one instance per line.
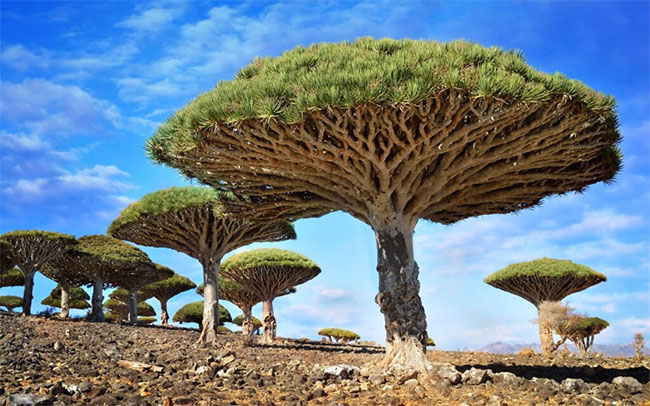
x=52, y=362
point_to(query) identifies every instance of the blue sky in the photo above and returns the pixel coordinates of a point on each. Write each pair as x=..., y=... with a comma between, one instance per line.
x=84, y=84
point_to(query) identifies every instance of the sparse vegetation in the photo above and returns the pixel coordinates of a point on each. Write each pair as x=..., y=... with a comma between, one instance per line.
x=146, y=320
x=639, y=345
x=339, y=334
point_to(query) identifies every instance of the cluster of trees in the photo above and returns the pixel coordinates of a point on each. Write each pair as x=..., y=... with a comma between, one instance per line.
x=414, y=130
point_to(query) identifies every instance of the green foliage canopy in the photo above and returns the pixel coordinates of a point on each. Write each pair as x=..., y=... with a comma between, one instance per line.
x=268, y=258
x=121, y=309
x=11, y=302
x=78, y=298
x=345, y=74
x=339, y=334
x=5, y=258
x=13, y=277
x=193, y=313
x=167, y=288
x=544, y=267
x=146, y=320
x=239, y=320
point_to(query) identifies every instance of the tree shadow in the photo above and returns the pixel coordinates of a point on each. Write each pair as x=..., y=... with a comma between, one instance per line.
x=322, y=347
x=558, y=373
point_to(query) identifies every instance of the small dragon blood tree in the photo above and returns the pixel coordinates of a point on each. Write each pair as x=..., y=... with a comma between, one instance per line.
x=120, y=310
x=581, y=331
x=166, y=289
x=30, y=250
x=76, y=298
x=5, y=260
x=11, y=302
x=199, y=222
x=268, y=273
x=13, y=277
x=67, y=279
x=136, y=279
x=393, y=131
x=103, y=261
x=254, y=324
x=193, y=313
x=544, y=280
x=339, y=334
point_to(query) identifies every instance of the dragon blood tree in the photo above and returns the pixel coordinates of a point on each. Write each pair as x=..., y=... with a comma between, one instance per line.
x=241, y=297
x=136, y=279
x=544, y=280
x=256, y=324
x=269, y=273
x=166, y=289
x=67, y=279
x=581, y=331
x=30, y=250
x=193, y=313
x=76, y=298
x=5, y=261
x=199, y=222
x=13, y=277
x=103, y=261
x=10, y=303
x=392, y=132
x=120, y=310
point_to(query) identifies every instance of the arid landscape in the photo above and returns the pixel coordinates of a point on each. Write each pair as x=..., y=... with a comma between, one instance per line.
x=54, y=362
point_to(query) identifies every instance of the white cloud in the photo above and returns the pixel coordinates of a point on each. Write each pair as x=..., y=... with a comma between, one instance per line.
x=151, y=20
x=635, y=325
x=98, y=177
x=20, y=58
x=137, y=89
x=27, y=188
x=22, y=141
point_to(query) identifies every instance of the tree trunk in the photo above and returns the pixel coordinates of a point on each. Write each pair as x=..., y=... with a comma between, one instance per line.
x=164, y=317
x=247, y=326
x=65, y=301
x=210, y=322
x=399, y=298
x=98, y=300
x=132, y=317
x=545, y=337
x=28, y=292
x=268, y=322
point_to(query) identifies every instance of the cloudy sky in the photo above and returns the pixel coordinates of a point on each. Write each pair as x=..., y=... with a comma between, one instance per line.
x=84, y=84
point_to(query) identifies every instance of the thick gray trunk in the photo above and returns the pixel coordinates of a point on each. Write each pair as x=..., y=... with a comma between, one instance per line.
x=65, y=301
x=247, y=326
x=164, y=317
x=98, y=300
x=210, y=302
x=545, y=335
x=28, y=292
x=132, y=317
x=399, y=299
x=268, y=322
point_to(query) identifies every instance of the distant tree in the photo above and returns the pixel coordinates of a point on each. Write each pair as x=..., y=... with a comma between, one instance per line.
x=545, y=280
x=199, y=222
x=103, y=261
x=639, y=344
x=581, y=331
x=552, y=316
x=5, y=258
x=268, y=273
x=146, y=320
x=77, y=298
x=165, y=290
x=11, y=302
x=393, y=131
x=13, y=277
x=66, y=279
x=122, y=295
x=339, y=334
x=430, y=342
x=193, y=313
x=133, y=281
x=30, y=250
x=256, y=324
x=121, y=310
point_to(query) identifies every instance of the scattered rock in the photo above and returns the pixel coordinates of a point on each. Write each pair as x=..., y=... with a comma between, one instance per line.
x=526, y=352
x=377, y=379
x=448, y=372
x=23, y=399
x=628, y=384
x=58, y=346
x=475, y=376
x=342, y=370
x=571, y=385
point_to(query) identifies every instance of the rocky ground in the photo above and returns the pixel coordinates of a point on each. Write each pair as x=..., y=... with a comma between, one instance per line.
x=52, y=362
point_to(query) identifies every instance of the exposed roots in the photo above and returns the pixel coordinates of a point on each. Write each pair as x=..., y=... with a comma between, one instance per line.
x=405, y=354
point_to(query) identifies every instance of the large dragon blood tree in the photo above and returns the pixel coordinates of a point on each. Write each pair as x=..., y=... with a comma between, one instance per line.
x=166, y=289
x=201, y=223
x=393, y=131
x=269, y=273
x=102, y=261
x=544, y=280
x=30, y=250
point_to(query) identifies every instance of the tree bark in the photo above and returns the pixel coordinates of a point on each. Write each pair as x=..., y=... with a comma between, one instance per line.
x=545, y=337
x=268, y=322
x=98, y=300
x=65, y=301
x=399, y=298
x=28, y=292
x=132, y=317
x=247, y=326
x=164, y=317
x=210, y=322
